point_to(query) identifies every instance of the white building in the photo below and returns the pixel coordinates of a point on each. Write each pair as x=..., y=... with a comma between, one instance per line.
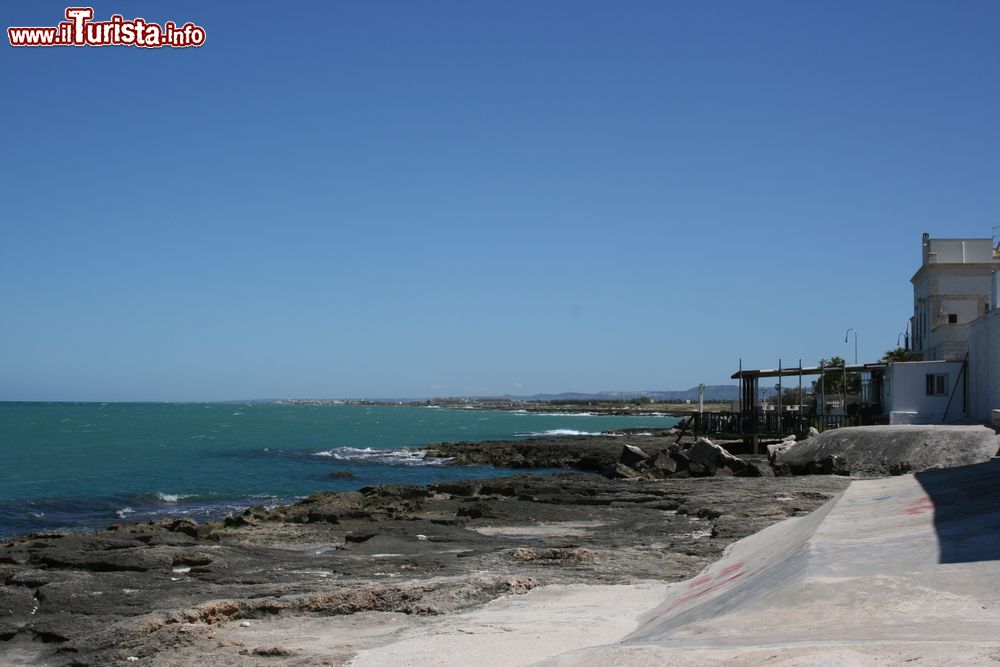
x=925, y=392
x=950, y=290
x=984, y=363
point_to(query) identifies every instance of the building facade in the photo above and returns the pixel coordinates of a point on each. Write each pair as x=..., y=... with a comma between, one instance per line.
x=925, y=392
x=950, y=290
x=984, y=366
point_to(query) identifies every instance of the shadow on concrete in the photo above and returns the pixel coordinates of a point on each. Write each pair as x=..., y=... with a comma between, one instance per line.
x=966, y=506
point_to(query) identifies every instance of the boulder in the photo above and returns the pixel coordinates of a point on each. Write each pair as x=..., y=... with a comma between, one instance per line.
x=696, y=469
x=775, y=449
x=477, y=511
x=712, y=457
x=632, y=456
x=881, y=451
x=665, y=463
x=622, y=471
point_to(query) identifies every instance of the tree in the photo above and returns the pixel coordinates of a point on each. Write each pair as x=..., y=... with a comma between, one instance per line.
x=832, y=382
x=898, y=354
x=790, y=395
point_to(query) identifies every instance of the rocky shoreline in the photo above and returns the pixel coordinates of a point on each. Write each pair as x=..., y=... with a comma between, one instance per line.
x=632, y=454
x=175, y=592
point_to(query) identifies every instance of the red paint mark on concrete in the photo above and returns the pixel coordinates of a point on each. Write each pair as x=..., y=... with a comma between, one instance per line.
x=920, y=506
x=725, y=576
x=732, y=568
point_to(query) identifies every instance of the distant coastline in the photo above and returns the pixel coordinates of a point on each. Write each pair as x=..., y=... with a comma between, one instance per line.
x=623, y=408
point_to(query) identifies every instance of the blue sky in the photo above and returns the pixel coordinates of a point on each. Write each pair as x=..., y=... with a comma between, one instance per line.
x=335, y=199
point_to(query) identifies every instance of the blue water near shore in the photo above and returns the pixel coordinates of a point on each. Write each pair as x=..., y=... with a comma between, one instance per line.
x=72, y=466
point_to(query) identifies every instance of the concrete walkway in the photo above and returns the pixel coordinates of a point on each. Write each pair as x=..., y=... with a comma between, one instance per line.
x=897, y=570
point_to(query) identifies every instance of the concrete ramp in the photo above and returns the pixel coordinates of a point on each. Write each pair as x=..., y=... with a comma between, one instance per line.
x=898, y=569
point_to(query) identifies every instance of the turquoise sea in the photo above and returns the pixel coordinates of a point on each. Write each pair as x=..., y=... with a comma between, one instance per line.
x=72, y=466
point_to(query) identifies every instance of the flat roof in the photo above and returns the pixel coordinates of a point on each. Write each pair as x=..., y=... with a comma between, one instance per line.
x=806, y=370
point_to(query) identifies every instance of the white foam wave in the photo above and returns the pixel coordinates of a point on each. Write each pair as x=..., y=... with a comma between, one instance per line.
x=170, y=497
x=403, y=457
x=563, y=431
x=123, y=512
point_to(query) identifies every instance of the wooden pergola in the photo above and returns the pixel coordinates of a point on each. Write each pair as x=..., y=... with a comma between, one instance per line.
x=750, y=385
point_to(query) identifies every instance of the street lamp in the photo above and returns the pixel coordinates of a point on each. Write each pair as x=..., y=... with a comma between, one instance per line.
x=855, y=343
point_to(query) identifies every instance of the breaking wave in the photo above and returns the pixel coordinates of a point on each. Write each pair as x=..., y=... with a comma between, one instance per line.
x=398, y=457
x=170, y=497
x=563, y=431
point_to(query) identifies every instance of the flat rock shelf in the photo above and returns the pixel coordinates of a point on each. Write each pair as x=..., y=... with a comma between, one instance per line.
x=160, y=591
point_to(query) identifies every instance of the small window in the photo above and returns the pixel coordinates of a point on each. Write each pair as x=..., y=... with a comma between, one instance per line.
x=937, y=384
x=952, y=318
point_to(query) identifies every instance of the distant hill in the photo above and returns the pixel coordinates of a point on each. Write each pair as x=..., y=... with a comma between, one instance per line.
x=713, y=392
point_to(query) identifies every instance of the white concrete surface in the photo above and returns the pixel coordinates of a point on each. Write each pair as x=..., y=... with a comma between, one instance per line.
x=523, y=629
x=894, y=570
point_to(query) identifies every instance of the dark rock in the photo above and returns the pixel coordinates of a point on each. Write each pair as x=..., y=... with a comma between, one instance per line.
x=186, y=526
x=273, y=652
x=359, y=537
x=16, y=601
x=682, y=459
x=712, y=457
x=632, y=456
x=757, y=470
x=696, y=469
x=665, y=463
x=341, y=474
x=705, y=457
x=476, y=511
x=321, y=516
x=622, y=471
x=238, y=521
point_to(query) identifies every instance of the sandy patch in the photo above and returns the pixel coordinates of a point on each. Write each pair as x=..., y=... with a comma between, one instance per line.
x=556, y=529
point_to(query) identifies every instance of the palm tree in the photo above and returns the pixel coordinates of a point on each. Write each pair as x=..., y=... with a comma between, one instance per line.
x=899, y=354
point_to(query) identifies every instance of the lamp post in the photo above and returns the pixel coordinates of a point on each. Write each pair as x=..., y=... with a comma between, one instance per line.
x=855, y=343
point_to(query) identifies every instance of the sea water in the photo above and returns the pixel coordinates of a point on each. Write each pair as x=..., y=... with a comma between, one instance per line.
x=73, y=466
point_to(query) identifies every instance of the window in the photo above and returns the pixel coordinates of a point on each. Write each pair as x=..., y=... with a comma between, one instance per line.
x=952, y=318
x=937, y=384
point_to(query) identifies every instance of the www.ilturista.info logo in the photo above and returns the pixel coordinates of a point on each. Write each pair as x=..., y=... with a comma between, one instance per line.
x=79, y=29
